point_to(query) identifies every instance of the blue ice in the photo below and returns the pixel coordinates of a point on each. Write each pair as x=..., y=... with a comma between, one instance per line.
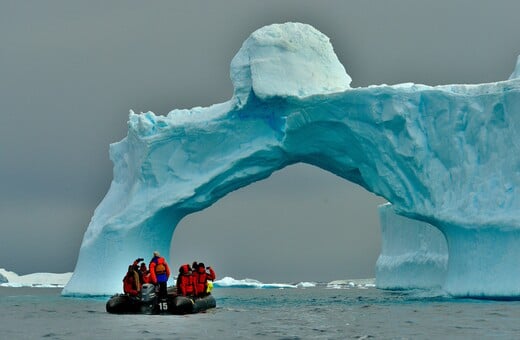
x=446, y=155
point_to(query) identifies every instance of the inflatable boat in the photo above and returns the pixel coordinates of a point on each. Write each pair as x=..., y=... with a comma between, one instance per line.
x=149, y=303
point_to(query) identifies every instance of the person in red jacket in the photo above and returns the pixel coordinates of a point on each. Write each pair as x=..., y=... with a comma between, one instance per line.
x=135, y=265
x=159, y=273
x=185, y=282
x=201, y=277
x=144, y=274
x=131, y=284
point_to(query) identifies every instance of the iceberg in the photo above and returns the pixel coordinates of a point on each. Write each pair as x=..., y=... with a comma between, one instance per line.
x=40, y=280
x=445, y=155
x=353, y=283
x=229, y=282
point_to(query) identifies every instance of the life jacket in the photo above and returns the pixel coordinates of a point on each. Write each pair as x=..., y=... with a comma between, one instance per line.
x=201, y=280
x=185, y=282
x=145, y=277
x=160, y=268
x=159, y=271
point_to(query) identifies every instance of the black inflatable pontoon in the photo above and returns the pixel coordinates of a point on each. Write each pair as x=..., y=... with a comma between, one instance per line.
x=149, y=303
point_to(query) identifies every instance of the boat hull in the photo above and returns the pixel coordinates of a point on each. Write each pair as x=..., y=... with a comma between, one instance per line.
x=124, y=304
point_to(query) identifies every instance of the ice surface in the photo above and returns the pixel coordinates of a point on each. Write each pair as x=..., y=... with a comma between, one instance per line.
x=446, y=155
x=414, y=254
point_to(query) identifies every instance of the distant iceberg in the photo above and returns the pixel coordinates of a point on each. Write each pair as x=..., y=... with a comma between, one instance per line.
x=45, y=280
x=227, y=282
x=3, y=279
x=353, y=283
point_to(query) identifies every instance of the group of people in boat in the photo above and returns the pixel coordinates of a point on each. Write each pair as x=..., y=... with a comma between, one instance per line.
x=192, y=281
x=196, y=280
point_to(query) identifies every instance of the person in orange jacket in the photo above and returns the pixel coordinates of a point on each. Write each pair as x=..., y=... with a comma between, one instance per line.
x=185, y=282
x=201, y=277
x=131, y=285
x=159, y=273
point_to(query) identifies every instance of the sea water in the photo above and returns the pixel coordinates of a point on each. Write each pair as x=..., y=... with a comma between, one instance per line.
x=245, y=313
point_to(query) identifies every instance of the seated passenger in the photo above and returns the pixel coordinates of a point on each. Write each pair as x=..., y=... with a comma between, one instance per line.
x=201, y=279
x=131, y=285
x=185, y=283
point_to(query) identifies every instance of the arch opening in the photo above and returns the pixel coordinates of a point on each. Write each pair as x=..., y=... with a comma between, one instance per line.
x=300, y=224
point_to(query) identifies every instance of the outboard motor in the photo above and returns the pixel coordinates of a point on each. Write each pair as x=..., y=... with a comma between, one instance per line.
x=147, y=292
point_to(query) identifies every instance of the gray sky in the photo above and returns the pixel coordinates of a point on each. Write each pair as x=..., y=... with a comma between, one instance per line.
x=71, y=71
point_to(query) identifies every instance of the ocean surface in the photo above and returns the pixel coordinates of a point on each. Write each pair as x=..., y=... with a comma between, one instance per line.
x=319, y=312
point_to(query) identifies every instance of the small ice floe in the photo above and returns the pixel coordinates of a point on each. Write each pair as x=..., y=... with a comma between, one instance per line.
x=353, y=283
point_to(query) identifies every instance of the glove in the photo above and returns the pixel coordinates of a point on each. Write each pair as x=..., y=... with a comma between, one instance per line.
x=139, y=260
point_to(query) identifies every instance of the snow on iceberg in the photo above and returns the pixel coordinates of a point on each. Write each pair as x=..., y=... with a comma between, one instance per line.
x=446, y=155
x=286, y=60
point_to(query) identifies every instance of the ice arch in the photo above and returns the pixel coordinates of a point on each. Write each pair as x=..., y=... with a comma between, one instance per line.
x=447, y=155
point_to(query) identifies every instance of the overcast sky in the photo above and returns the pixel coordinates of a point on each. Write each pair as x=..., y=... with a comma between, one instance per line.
x=70, y=71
